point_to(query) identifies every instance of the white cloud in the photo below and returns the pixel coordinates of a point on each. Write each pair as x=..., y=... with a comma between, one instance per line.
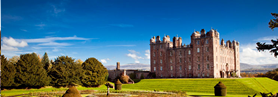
x=133, y=55
x=55, y=44
x=24, y=30
x=122, y=25
x=55, y=50
x=8, y=48
x=147, y=54
x=121, y=45
x=105, y=60
x=267, y=38
x=12, y=42
x=51, y=39
x=41, y=25
x=249, y=54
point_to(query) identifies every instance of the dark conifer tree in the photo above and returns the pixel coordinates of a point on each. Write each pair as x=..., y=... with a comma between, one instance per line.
x=94, y=73
x=7, y=73
x=65, y=71
x=30, y=72
x=46, y=63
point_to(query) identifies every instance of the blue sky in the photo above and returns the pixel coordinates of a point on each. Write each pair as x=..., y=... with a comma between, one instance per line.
x=119, y=30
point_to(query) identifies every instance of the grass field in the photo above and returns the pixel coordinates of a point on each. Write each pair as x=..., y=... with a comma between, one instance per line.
x=241, y=86
x=247, y=86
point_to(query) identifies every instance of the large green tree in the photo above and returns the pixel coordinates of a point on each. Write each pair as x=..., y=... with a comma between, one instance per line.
x=46, y=63
x=7, y=73
x=94, y=73
x=65, y=71
x=30, y=72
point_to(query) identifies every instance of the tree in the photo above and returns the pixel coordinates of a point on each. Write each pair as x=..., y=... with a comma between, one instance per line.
x=273, y=23
x=7, y=73
x=46, y=62
x=274, y=46
x=94, y=73
x=79, y=62
x=14, y=59
x=30, y=72
x=65, y=71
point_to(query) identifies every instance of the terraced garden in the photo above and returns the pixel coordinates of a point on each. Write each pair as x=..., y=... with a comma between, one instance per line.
x=239, y=87
x=247, y=86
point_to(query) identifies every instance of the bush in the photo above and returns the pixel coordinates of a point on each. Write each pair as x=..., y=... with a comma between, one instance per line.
x=65, y=71
x=94, y=72
x=72, y=92
x=118, y=85
x=124, y=79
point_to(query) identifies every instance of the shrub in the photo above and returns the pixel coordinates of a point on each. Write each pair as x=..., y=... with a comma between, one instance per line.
x=94, y=72
x=124, y=78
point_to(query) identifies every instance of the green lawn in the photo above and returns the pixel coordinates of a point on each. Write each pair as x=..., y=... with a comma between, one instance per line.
x=204, y=86
x=248, y=86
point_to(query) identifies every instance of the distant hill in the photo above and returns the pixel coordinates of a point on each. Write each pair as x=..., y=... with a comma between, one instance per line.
x=247, y=68
x=244, y=66
x=130, y=66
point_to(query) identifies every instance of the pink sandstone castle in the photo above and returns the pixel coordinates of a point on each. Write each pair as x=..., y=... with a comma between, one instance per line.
x=204, y=57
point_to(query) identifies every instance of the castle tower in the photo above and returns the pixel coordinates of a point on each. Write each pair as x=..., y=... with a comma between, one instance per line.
x=236, y=57
x=174, y=42
x=118, y=66
x=179, y=42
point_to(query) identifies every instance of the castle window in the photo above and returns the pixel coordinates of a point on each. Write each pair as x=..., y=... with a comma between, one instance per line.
x=170, y=60
x=198, y=60
x=160, y=46
x=198, y=66
x=153, y=61
x=189, y=67
x=160, y=61
x=180, y=53
x=207, y=66
x=189, y=52
x=190, y=75
x=207, y=58
x=180, y=75
x=207, y=49
x=171, y=67
x=180, y=67
x=207, y=41
x=203, y=75
x=207, y=74
x=161, y=68
x=189, y=59
x=153, y=53
x=198, y=75
x=171, y=75
x=198, y=50
x=171, y=54
x=160, y=53
x=198, y=42
x=161, y=75
x=180, y=60
x=154, y=68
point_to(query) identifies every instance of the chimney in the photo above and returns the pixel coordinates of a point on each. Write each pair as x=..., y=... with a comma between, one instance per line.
x=118, y=66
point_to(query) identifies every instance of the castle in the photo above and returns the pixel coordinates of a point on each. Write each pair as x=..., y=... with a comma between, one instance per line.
x=204, y=57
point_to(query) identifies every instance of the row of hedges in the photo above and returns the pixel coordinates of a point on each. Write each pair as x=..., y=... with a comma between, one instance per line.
x=30, y=72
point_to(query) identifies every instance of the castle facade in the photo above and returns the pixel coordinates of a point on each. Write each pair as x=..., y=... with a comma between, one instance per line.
x=205, y=57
